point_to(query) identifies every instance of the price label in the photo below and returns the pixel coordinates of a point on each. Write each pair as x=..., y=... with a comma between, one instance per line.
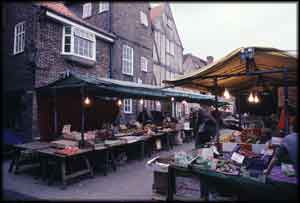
x=237, y=157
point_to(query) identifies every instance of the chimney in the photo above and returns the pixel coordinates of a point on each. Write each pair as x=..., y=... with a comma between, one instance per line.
x=209, y=59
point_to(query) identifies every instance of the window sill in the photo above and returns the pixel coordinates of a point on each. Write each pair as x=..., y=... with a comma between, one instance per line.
x=86, y=17
x=128, y=74
x=145, y=71
x=100, y=12
x=146, y=26
x=18, y=53
x=127, y=112
x=80, y=60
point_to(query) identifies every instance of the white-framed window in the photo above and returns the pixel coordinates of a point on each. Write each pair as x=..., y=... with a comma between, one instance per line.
x=169, y=23
x=127, y=60
x=144, y=64
x=172, y=50
x=86, y=10
x=103, y=6
x=167, y=45
x=78, y=42
x=144, y=19
x=19, y=39
x=127, y=105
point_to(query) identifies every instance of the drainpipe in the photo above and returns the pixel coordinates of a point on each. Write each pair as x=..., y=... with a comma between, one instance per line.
x=111, y=46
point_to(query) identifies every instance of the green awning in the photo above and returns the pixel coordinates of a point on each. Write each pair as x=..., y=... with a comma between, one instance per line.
x=124, y=89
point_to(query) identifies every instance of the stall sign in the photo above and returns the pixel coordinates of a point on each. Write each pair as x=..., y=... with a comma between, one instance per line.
x=237, y=157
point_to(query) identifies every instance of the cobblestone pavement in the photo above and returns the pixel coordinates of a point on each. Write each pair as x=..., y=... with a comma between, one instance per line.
x=132, y=181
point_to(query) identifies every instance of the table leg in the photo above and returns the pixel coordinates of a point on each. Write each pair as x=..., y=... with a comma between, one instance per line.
x=52, y=175
x=89, y=166
x=106, y=160
x=63, y=173
x=168, y=141
x=170, y=191
x=44, y=168
x=17, y=163
x=113, y=162
x=40, y=168
x=13, y=161
x=142, y=149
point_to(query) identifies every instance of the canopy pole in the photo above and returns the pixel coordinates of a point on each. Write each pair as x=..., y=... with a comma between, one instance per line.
x=286, y=102
x=239, y=110
x=217, y=110
x=82, y=92
x=55, y=110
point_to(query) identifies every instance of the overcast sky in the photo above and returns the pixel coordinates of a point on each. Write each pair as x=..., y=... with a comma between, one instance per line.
x=218, y=28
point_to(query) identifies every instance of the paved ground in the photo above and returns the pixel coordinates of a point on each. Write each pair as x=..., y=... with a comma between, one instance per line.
x=132, y=181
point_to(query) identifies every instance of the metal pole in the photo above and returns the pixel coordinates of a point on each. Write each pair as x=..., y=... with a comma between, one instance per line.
x=239, y=110
x=217, y=110
x=55, y=111
x=286, y=102
x=81, y=143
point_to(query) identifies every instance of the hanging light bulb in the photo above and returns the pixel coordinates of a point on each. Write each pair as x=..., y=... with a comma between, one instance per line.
x=141, y=101
x=87, y=101
x=119, y=102
x=158, y=103
x=226, y=94
x=172, y=99
x=256, y=99
x=251, y=98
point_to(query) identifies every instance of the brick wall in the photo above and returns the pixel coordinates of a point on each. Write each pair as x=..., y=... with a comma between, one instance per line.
x=17, y=71
x=98, y=19
x=51, y=62
x=127, y=26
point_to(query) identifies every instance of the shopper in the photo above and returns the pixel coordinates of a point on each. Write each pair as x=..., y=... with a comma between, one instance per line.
x=288, y=150
x=207, y=128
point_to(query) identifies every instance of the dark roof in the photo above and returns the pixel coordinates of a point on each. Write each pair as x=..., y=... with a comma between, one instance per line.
x=156, y=11
x=124, y=89
x=60, y=9
x=195, y=59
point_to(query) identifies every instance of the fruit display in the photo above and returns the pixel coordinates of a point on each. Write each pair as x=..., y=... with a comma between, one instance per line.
x=227, y=167
x=68, y=151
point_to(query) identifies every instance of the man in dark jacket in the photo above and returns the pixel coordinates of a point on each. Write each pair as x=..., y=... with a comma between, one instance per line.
x=207, y=128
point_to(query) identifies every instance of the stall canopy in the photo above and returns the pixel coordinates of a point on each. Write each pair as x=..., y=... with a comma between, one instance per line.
x=231, y=71
x=123, y=89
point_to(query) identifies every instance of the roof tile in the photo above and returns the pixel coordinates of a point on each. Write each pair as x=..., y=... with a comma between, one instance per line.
x=63, y=10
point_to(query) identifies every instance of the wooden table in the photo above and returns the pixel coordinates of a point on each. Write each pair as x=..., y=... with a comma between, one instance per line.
x=33, y=146
x=60, y=161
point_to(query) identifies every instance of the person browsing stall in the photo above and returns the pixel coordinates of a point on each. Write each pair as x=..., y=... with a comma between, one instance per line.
x=288, y=150
x=207, y=128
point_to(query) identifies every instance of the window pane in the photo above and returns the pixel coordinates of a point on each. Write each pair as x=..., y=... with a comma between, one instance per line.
x=67, y=48
x=76, y=45
x=68, y=30
x=67, y=40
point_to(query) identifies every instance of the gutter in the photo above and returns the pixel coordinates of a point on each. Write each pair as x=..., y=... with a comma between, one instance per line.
x=70, y=22
x=111, y=46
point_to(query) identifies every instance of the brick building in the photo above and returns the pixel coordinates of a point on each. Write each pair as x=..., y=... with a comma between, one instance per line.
x=192, y=63
x=44, y=39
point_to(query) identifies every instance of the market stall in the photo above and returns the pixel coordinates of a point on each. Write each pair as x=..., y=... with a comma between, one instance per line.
x=230, y=174
x=252, y=71
x=75, y=113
